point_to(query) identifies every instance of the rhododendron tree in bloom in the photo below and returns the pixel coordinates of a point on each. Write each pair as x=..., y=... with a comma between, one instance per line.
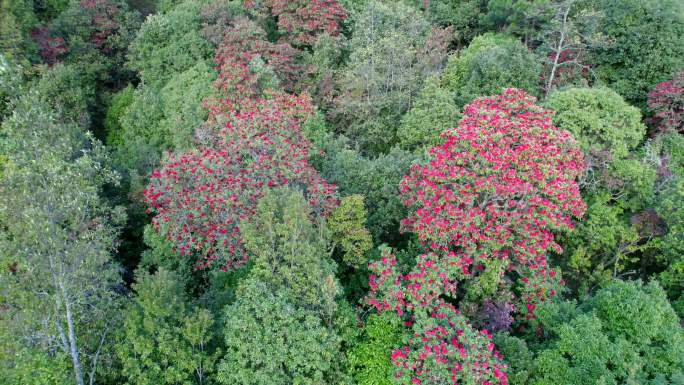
x=490, y=196
x=302, y=21
x=666, y=101
x=201, y=197
x=243, y=43
x=485, y=204
x=49, y=47
x=443, y=348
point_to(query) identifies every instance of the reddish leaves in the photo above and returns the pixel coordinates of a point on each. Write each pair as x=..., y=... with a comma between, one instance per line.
x=49, y=48
x=666, y=101
x=494, y=191
x=103, y=21
x=202, y=196
x=242, y=43
x=302, y=21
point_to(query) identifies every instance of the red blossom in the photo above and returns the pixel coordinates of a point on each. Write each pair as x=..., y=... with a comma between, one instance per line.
x=49, y=48
x=490, y=194
x=302, y=21
x=201, y=197
x=666, y=102
x=494, y=191
x=445, y=349
x=243, y=42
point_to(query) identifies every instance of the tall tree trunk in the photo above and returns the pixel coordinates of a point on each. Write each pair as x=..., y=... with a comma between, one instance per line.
x=559, y=49
x=73, y=346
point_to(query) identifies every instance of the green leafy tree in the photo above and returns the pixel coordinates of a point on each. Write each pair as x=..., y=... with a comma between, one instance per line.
x=11, y=84
x=169, y=43
x=628, y=333
x=117, y=107
x=173, y=58
x=280, y=329
x=162, y=119
x=600, y=119
x=617, y=183
x=392, y=50
x=165, y=340
x=17, y=19
x=139, y=143
x=523, y=18
x=490, y=64
x=347, y=226
x=369, y=360
x=377, y=179
x=57, y=237
x=70, y=91
x=671, y=245
x=433, y=112
x=645, y=45
x=182, y=106
x=466, y=16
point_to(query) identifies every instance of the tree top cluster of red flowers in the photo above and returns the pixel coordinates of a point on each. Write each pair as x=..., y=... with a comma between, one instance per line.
x=201, y=197
x=301, y=22
x=666, y=102
x=483, y=205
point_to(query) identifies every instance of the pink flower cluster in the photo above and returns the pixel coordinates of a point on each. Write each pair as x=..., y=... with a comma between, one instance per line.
x=201, y=197
x=488, y=198
x=666, y=102
x=444, y=347
x=493, y=192
x=302, y=21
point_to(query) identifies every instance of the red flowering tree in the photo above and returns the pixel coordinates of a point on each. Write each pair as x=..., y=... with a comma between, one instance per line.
x=103, y=14
x=444, y=348
x=302, y=21
x=489, y=197
x=666, y=102
x=49, y=47
x=201, y=197
x=235, y=59
x=485, y=206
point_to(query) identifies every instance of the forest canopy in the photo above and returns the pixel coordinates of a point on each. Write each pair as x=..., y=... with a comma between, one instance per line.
x=351, y=192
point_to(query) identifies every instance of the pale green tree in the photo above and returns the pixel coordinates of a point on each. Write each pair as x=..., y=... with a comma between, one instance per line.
x=280, y=330
x=59, y=282
x=164, y=339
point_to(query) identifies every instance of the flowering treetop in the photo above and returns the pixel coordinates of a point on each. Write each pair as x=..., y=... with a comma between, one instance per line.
x=666, y=101
x=201, y=197
x=302, y=21
x=484, y=204
x=492, y=193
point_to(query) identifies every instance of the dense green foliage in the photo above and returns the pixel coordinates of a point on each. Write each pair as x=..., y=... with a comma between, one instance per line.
x=163, y=340
x=626, y=333
x=56, y=245
x=393, y=49
x=617, y=184
x=491, y=63
x=353, y=192
x=280, y=328
x=643, y=50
